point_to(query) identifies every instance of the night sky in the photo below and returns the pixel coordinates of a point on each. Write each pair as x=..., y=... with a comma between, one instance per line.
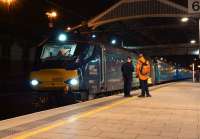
x=28, y=16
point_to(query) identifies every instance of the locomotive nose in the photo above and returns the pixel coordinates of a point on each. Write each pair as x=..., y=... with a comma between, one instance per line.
x=53, y=79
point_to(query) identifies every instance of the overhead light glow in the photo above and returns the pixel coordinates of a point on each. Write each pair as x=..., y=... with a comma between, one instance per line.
x=113, y=42
x=62, y=37
x=193, y=41
x=184, y=19
x=94, y=36
x=68, y=28
x=8, y=1
x=52, y=14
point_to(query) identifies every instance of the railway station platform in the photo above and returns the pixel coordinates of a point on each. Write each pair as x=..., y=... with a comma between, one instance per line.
x=173, y=112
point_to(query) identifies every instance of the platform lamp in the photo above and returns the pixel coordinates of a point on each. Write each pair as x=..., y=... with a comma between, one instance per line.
x=51, y=16
x=8, y=3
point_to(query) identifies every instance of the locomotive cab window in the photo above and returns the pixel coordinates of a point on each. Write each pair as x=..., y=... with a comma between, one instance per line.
x=53, y=51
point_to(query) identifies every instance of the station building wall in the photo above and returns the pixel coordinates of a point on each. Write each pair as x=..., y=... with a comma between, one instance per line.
x=16, y=65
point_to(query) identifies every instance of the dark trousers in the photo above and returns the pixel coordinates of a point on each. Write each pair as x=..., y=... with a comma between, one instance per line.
x=197, y=78
x=127, y=86
x=144, y=87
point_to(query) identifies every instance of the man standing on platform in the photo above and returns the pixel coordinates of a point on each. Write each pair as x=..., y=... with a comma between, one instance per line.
x=142, y=72
x=127, y=72
x=197, y=76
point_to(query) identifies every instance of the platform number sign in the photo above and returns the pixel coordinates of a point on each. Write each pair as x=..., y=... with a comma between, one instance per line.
x=194, y=6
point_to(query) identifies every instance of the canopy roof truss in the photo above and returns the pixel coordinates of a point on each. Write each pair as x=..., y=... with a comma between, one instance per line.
x=130, y=9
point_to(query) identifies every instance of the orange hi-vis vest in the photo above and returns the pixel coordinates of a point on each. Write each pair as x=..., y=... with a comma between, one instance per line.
x=142, y=68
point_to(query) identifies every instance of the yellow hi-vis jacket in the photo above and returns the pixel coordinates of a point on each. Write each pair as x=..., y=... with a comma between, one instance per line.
x=141, y=76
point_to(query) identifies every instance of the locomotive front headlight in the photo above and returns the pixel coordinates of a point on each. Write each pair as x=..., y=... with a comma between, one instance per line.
x=34, y=82
x=73, y=82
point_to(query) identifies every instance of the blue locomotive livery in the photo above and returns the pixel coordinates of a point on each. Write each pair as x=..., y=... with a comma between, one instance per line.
x=90, y=68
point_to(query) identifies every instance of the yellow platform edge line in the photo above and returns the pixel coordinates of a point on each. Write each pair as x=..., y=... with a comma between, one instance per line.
x=71, y=119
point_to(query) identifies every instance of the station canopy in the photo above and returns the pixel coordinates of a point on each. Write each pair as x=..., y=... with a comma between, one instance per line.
x=145, y=24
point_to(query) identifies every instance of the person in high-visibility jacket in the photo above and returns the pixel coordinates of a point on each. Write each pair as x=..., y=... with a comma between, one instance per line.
x=142, y=72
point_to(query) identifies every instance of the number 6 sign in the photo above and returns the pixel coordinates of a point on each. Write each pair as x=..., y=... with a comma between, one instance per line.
x=194, y=6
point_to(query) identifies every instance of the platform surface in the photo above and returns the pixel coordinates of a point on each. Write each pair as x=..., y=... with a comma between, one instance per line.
x=173, y=112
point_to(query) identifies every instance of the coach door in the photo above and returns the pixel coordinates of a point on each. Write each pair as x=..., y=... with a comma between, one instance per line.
x=103, y=70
